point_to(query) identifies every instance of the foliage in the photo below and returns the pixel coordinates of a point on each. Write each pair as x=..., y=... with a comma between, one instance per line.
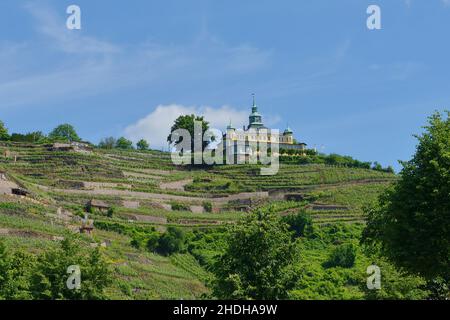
x=396, y=285
x=32, y=137
x=301, y=223
x=3, y=132
x=187, y=122
x=411, y=222
x=107, y=143
x=142, y=145
x=123, y=143
x=152, y=241
x=15, y=271
x=333, y=159
x=177, y=206
x=110, y=212
x=65, y=132
x=258, y=260
x=206, y=245
x=172, y=241
x=50, y=276
x=207, y=205
x=24, y=276
x=217, y=185
x=343, y=256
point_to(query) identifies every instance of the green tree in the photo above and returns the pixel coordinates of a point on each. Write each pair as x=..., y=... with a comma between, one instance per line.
x=123, y=143
x=49, y=279
x=3, y=132
x=395, y=285
x=301, y=223
x=142, y=145
x=410, y=224
x=107, y=143
x=207, y=206
x=343, y=256
x=171, y=241
x=32, y=137
x=15, y=271
x=187, y=122
x=64, y=132
x=152, y=241
x=258, y=260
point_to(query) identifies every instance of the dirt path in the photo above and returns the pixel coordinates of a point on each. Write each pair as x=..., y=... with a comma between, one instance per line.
x=131, y=204
x=197, y=209
x=6, y=186
x=130, y=174
x=327, y=207
x=175, y=185
x=103, y=185
x=24, y=233
x=146, y=218
x=157, y=172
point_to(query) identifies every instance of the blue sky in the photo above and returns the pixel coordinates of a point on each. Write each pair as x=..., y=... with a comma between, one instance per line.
x=135, y=65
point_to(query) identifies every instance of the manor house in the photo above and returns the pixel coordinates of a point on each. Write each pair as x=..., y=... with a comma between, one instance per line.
x=242, y=143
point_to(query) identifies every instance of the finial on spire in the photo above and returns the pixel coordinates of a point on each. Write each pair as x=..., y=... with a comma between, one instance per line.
x=253, y=95
x=230, y=126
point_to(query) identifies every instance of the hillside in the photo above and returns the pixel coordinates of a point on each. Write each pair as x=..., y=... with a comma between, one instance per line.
x=144, y=191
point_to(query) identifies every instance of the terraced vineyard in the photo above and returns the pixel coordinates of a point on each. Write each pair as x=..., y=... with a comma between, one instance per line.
x=145, y=191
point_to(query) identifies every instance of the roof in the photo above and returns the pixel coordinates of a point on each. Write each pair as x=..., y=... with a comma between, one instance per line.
x=230, y=126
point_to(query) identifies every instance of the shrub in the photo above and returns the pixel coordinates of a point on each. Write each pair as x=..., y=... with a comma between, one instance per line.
x=176, y=206
x=107, y=143
x=42, y=277
x=259, y=260
x=301, y=223
x=3, y=132
x=123, y=143
x=342, y=256
x=110, y=212
x=207, y=205
x=171, y=241
x=64, y=132
x=152, y=241
x=142, y=145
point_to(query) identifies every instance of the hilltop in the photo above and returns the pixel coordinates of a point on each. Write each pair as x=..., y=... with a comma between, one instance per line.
x=142, y=191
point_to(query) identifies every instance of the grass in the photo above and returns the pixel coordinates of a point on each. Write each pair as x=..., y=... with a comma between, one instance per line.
x=140, y=274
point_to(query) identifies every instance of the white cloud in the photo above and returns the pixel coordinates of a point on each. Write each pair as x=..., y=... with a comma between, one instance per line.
x=155, y=127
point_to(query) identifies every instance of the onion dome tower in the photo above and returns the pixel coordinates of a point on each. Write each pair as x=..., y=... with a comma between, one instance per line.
x=255, y=119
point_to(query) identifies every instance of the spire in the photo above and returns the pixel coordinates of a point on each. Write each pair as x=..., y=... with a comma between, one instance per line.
x=254, y=107
x=230, y=126
x=288, y=130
